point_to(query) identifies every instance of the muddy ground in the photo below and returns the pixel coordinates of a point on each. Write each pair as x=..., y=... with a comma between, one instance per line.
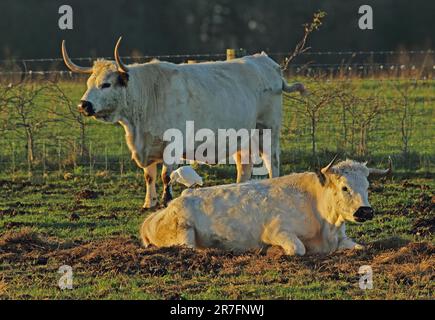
x=93, y=227
x=403, y=262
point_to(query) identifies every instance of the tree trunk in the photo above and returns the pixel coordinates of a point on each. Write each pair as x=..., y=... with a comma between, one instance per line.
x=30, y=149
x=82, y=140
x=362, y=148
x=313, y=136
x=343, y=119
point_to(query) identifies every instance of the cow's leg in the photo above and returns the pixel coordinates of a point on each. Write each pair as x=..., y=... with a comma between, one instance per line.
x=275, y=235
x=271, y=120
x=344, y=242
x=150, y=174
x=167, y=188
x=186, y=237
x=271, y=157
x=289, y=242
x=244, y=170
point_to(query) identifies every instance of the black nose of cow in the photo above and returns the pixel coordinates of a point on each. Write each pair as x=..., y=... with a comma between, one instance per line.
x=363, y=214
x=86, y=107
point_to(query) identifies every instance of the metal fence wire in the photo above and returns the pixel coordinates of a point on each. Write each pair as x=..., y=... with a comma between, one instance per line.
x=365, y=64
x=313, y=130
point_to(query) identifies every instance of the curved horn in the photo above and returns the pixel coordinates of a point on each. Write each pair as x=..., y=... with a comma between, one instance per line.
x=329, y=166
x=381, y=172
x=71, y=65
x=121, y=66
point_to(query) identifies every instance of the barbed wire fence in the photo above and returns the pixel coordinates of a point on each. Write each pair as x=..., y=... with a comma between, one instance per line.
x=402, y=128
x=418, y=64
x=58, y=155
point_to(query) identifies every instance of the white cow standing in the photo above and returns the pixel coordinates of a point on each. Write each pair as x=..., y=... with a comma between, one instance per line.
x=148, y=99
x=302, y=212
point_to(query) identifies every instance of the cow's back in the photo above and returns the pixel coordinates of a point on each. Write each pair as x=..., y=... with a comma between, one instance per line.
x=216, y=95
x=257, y=73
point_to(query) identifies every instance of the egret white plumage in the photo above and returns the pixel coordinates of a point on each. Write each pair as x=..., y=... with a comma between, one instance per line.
x=186, y=176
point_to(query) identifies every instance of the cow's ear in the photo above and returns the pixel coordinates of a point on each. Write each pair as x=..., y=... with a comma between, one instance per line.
x=123, y=79
x=321, y=176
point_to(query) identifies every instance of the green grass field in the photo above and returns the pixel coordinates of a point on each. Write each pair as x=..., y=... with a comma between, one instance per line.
x=91, y=224
x=91, y=221
x=334, y=134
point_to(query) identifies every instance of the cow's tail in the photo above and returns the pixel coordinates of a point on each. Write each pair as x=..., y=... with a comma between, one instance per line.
x=293, y=87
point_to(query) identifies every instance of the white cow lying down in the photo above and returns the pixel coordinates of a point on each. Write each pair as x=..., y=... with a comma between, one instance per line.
x=302, y=212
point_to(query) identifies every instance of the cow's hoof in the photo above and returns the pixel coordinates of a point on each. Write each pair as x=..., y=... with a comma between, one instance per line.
x=164, y=205
x=149, y=209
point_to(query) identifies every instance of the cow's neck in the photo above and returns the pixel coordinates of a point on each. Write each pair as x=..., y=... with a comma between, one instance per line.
x=329, y=218
x=310, y=184
x=327, y=210
x=135, y=111
x=133, y=141
x=134, y=121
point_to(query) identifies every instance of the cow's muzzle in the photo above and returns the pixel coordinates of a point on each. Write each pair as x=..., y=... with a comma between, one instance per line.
x=86, y=108
x=363, y=214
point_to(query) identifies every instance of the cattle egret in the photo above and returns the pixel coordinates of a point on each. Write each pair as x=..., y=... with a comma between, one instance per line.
x=186, y=176
x=298, y=212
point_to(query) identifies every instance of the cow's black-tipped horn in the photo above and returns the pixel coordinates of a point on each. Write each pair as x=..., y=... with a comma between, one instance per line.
x=71, y=65
x=382, y=172
x=329, y=166
x=121, y=66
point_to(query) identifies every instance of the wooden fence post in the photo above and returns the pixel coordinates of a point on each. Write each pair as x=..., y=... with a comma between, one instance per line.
x=231, y=54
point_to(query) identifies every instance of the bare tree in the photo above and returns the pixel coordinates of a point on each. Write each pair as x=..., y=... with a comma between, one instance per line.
x=26, y=115
x=405, y=108
x=67, y=111
x=322, y=95
x=5, y=99
x=309, y=28
x=346, y=98
x=300, y=48
x=364, y=111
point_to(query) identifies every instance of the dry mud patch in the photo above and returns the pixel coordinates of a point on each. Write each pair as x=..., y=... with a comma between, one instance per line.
x=400, y=261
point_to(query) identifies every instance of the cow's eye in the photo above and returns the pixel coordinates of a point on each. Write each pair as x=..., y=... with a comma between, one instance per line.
x=345, y=189
x=105, y=85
